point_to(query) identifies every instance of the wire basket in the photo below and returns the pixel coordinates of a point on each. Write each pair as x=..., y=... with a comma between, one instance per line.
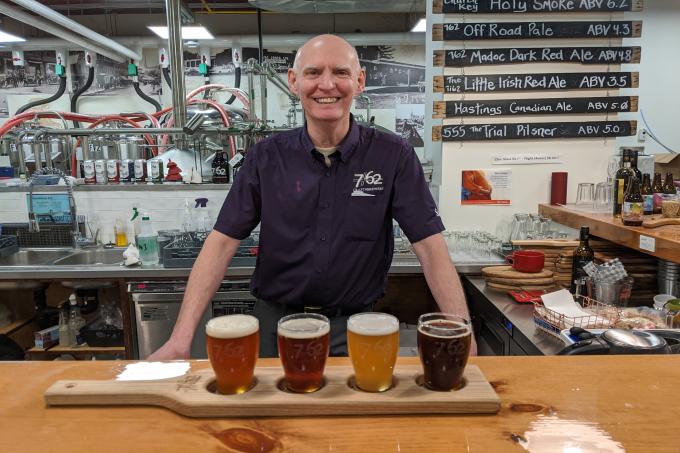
x=602, y=316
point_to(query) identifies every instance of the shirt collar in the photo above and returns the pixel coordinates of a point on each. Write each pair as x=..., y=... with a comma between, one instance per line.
x=345, y=148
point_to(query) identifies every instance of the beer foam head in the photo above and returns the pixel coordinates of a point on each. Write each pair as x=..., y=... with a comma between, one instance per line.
x=301, y=328
x=445, y=328
x=373, y=324
x=232, y=326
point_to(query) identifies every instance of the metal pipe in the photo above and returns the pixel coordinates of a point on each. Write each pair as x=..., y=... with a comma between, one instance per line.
x=20, y=15
x=251, y=86
x=72, y=25
x=263, y=99
x=227, y=41
x=174, y=20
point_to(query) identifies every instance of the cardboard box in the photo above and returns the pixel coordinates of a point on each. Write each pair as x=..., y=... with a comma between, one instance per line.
x=47, y=338
x=665, y=163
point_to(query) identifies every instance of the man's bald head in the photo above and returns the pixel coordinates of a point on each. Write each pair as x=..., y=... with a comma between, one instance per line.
x=326, y=43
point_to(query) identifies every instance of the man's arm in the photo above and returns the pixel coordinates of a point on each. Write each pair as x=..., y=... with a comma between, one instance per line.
x=205, y=278
x=442, y=277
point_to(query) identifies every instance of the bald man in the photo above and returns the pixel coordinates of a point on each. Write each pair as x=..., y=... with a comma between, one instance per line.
x=324, y=195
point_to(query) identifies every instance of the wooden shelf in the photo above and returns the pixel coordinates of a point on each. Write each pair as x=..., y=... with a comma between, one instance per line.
x=81, y=350
x=605, y=226
x=14, y=326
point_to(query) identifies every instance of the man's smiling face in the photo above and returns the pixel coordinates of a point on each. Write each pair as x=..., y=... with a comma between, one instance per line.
x=326, y=77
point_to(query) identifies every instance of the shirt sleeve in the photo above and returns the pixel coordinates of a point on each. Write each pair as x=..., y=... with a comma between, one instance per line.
x=412, y=204
x=241, y=210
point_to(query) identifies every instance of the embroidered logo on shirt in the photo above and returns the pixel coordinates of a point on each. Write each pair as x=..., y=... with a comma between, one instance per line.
x=366, y=184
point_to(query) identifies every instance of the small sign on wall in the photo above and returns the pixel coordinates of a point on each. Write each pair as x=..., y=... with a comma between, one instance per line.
x=526, y=159
x=486, y=187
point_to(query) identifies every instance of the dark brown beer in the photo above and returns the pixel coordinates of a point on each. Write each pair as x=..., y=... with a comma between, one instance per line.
x=303, y=348
x=444, y=347
x=233, y=344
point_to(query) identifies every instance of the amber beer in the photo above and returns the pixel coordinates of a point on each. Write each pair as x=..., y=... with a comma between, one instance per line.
x=373, y=344
x=303, y=340
x=443, y=346
x=233, y=344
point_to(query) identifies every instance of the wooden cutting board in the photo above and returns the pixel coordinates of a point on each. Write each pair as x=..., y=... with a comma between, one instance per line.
x=521, y=281
x=192, y=395
x=500, y=287
x=654, y=223
x=509, y=272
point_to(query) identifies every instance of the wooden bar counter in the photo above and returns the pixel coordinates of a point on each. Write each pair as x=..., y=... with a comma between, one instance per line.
x=549, y=404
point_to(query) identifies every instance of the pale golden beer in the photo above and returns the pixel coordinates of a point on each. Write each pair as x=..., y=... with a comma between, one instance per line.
x=304, y=343
x=233, y=344
x=373, y=344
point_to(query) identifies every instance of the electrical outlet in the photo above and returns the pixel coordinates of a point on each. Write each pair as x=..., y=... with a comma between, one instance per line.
x=642, y=135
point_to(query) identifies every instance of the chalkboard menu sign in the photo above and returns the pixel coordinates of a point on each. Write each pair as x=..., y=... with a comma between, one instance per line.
x=458, y=58
x=533, y=6
x=548, y=106
x=534, y=82
x=532, y=131
x=535, y=30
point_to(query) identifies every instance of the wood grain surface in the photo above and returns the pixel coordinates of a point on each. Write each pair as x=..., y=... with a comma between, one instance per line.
x=509, y=273
x=605, y=226
x=547, y=404
x=193, y=395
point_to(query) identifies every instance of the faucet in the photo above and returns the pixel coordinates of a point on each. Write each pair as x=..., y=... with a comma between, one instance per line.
x=33, y=224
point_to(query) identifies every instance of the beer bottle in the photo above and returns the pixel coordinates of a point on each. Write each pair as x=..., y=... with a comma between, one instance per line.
x=220, y=168
x=668, y=186
x=621, y=181
x=634, y=163
x=657, y=190
x=582, y=256
x=647, y=194
x=633, y=209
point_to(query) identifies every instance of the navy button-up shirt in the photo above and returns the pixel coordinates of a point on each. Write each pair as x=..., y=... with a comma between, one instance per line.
x=326, y=232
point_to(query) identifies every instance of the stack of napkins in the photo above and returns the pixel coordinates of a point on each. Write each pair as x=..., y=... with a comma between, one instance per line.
x=563, y=302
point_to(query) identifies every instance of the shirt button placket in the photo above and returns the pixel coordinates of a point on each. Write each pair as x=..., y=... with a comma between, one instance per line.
x=322, y=251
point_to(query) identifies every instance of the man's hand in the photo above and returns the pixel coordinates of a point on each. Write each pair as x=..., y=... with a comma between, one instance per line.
x=171, y=350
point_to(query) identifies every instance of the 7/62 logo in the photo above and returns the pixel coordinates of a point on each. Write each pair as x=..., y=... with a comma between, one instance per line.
x=367, y=182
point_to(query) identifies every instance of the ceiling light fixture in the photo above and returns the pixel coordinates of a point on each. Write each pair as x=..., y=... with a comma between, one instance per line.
x=420, y=26
x=192, y=32
x=6, y=37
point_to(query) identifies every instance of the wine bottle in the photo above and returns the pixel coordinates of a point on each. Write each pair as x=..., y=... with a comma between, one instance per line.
x=582, y=256
x=634, y=163
x=633, y=204
x=621, y=182
x=668, y=186
x=647, y=194
x=657, y=190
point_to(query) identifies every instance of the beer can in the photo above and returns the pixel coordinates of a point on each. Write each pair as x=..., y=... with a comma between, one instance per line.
x=125, y=170
x=113, y=171
x=88, y=172
x=140, y=170
x=157, y=171
x=100, y=171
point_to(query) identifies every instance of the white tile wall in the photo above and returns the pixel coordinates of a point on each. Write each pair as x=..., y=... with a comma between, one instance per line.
x=166, y=208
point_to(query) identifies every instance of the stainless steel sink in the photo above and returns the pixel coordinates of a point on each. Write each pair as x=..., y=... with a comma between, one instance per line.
x=92, y=257
x=34, y=257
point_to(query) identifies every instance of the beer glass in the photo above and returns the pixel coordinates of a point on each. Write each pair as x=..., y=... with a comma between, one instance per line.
x=373, y=344
x=233, y=344
x=303, y=340
x=443, y=346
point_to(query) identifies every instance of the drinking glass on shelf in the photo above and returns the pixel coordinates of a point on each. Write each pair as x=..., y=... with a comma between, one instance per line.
x=585, y=196
x=604, y=196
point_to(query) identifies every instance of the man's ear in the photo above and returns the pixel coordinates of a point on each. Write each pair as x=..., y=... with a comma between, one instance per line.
x=292, y=78
x=361, y=81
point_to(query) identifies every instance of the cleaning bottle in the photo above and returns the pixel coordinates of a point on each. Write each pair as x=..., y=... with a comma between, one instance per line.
x=203, y=221
x=135, y=220
x=147, y=242
x=64, y=330
x=75, y=323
